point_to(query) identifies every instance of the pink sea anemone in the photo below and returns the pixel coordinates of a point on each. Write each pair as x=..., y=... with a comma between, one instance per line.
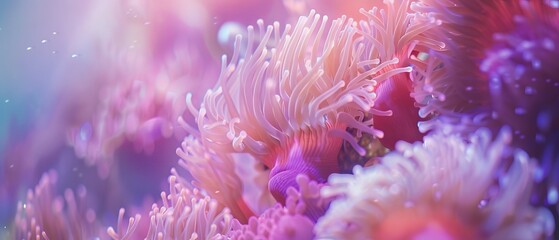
x=444, y=188
x=284, y=102
x=44, y=215
x=289, y=98
x=188, y=214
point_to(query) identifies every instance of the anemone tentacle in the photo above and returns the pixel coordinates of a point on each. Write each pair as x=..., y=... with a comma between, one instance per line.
x=215, y=173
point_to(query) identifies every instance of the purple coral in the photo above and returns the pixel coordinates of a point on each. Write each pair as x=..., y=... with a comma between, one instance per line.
x=506, y=75
x=294, y=221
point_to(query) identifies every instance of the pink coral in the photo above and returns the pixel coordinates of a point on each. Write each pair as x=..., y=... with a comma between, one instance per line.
x=294, y=221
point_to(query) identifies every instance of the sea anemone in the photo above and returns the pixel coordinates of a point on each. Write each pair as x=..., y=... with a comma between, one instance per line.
x=289, y=100
x=444, y=188
x=287, y=103
x=524, y=85
x=188, y=214
x=44, y=215
x=506, y=75
x=449, y=81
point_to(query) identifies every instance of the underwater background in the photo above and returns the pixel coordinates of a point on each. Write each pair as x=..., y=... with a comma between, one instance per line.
x=283, y=119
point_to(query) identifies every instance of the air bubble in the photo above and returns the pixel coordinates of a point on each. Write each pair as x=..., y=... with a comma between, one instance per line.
x=75, y=55
x=526, y=45
x=544, y=121
x=529, y=91
x=423, y=56
x=409, y=204
x=228, y=31
x=548, y=44
x=539, y=174
x=552, y=196
x=536, y=64
x=86, y=131
x=553, y=3
x=29, y=48
x=520, y=111
x=482, y=204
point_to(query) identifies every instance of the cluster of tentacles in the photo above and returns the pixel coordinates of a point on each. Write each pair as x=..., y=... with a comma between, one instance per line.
x=294, y=99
